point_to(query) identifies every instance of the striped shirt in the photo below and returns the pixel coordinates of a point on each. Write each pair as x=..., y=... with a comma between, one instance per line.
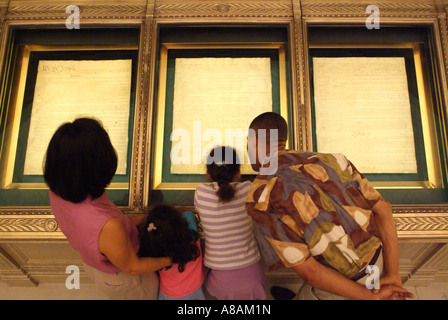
x=229, y=238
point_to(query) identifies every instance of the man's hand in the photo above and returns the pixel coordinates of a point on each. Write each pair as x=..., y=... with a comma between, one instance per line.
x=327, y=279
x=392, y=279
x=392, y=289
x=391, y=292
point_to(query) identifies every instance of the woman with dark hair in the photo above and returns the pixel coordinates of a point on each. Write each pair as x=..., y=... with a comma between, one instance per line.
x=80, y=163
x=231, y=251
x=167, y=232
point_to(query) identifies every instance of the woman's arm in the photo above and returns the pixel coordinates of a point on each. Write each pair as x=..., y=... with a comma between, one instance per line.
x=115, y=244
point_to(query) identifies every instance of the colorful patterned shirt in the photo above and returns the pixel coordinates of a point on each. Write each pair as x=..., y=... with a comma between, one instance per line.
x=315, y=204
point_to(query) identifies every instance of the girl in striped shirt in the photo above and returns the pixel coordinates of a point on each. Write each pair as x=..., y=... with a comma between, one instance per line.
x=231, y=251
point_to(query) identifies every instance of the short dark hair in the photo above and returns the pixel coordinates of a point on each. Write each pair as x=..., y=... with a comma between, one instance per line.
x=223, y=172
x=80, y=160
x=170, y=237
x=271, y=120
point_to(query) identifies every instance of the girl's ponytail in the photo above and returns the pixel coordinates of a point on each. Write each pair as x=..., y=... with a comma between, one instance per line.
x=223, y=171
x=226, y=192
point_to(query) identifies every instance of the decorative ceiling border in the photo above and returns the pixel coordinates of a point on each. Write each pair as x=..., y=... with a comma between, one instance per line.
x=396, y=8
x=138, y=9
x=206, y=8
x=57, y=11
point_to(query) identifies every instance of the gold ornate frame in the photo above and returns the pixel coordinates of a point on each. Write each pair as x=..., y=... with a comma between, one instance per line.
x=158, y=139
x=434, y=168
x=414, y=222
x=15, y=110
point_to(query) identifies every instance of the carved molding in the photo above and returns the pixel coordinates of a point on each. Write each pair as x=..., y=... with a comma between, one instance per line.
x=137, y=9
x=28, y=224
x=421, y=221
x=223, y=8
x=18, y=211
x=421, y=218
x=418, y=223
x=146, y=128
x=37, y=220
x=30, y=10
x=33, y=10
x=301, y=81
x=397, y=8
x=140, y=132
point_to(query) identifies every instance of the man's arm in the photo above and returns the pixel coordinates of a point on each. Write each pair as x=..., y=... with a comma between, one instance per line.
x=388, y=233
x=382, y=212
x=319, y=276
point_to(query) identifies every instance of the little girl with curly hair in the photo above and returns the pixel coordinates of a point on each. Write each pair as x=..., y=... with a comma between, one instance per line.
x=168, y=233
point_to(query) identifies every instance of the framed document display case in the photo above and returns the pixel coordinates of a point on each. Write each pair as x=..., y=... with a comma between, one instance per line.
x=208, y=94
x=210, y=82
x=375, y=103
x=53, y=84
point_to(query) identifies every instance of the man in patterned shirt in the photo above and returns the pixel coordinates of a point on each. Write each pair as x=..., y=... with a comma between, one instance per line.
x=316, y=214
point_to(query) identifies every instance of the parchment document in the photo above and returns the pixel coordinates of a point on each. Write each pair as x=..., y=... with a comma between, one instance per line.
x=215, y=99
x=362, y=110
x=66, y=90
